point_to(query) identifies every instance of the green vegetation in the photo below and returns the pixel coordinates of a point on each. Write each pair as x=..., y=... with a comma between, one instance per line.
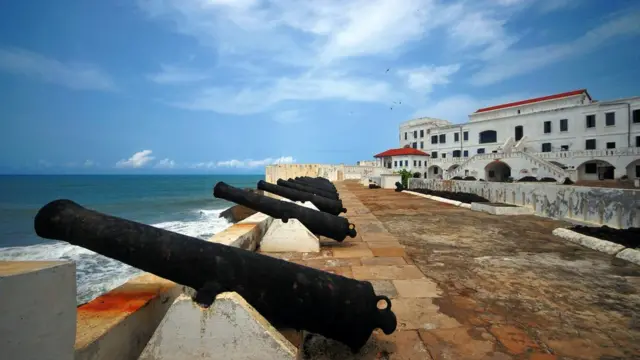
x=406, y=175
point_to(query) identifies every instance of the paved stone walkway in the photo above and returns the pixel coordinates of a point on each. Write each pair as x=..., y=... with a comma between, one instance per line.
x=469, y=285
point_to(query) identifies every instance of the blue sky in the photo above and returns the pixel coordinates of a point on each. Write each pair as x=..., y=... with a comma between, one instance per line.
x=223, y=86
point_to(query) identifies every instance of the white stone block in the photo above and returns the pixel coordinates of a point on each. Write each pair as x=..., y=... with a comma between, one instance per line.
x=291, y=236
x=229, y=329
x=501, y=210
x=37, y=310
x=631, y=255
x=604, y=246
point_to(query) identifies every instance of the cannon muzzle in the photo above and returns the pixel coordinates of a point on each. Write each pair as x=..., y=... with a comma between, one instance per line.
x=333, y=207
x=285, y=293
x=318, y=222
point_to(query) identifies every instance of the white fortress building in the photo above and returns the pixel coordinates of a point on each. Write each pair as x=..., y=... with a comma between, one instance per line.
x=550, y=138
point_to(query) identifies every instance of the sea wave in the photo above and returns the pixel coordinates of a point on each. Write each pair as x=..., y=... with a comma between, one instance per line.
x=97, y=274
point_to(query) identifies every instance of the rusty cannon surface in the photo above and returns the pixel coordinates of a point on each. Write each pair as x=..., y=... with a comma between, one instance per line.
x=300, y=186
x=285, y=293
x=318, y=222
x=333, y=207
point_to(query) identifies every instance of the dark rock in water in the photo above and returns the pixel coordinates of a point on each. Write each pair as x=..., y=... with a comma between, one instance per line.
x=456, y=196
x=626, y=237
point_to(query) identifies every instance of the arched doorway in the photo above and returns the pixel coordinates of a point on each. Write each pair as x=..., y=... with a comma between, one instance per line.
x=633, y=169
x=434, y=172
x=497, y=171
x=595, y=170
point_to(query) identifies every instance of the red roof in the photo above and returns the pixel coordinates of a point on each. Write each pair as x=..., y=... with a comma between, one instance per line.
x=535, y=100
x=399, y=152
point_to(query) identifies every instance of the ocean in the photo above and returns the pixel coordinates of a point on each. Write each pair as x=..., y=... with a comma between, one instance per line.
x=183, y=204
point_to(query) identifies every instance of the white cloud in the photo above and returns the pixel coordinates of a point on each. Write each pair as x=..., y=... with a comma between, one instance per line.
x=202, y=165
x=165, y=164
x=424, y=78
x=77, y=76
x=310, y=86
x=177, y=75
x=88, y=163
x=256, y=163
x=137, y=160
x=517, y=62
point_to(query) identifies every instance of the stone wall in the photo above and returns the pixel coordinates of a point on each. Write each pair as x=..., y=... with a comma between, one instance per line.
x=331, y=172
x=617, y=208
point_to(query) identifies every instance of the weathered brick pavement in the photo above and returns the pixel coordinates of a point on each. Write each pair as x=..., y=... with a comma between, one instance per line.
x=469, y=285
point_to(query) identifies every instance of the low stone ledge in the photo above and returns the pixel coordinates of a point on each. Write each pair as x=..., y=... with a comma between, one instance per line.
x=631, y=255
x=37, y=309
x=437, y=198
x=604, y=246
x=500, y=210
x=246, y=234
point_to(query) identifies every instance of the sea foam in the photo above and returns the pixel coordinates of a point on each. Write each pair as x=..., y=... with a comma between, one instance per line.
x=97, y=274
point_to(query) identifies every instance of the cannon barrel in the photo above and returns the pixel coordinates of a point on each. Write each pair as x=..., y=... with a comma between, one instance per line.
x=292, y=184
x=333, y=207
x=320, y=183
x=285, y=293
x=318, y=222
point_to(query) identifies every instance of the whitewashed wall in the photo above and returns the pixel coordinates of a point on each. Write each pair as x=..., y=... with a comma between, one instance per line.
x=617, y=208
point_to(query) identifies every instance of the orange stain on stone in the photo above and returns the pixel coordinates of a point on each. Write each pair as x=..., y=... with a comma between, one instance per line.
x=115, y=301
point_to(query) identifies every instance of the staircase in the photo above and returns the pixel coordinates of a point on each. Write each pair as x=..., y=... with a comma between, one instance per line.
x=557, y=172
x=519, y=146
x=508, y=145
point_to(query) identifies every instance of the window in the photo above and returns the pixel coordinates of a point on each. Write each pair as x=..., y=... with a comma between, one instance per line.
x=547, y=127
x=443, y=155
x=610, y=119
x=492, y=173
x=435, y=170
x=414, y=145
x=546, y=147
x=434, y=139
x=564, y=147
x=395, y=163
x=637, y=141
x=518, y=114
x=415, y=134
x=590, y=144
x=480, y=151
x=488, y=136
x=465, y=153
x=421, y=133
x=456, y=137
x=465, y=136
x=443, y=138
x=519, y=132
x=564, y=125
x=405, y=136
x=415, y=163
x=406, y=163
x=421, y=144
x=636, y=116
x=591, y=121
x=591, y=168
x=419, y=162
x=434, y=154
x=638, y=171
x=611, y=145
x=456, y=153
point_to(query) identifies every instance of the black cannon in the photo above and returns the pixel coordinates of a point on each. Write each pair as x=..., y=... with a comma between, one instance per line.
x=333, y=207
x=287, y=294
x=318, y=182
x=399, y=186
x=318, y=222
x=292, y=184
